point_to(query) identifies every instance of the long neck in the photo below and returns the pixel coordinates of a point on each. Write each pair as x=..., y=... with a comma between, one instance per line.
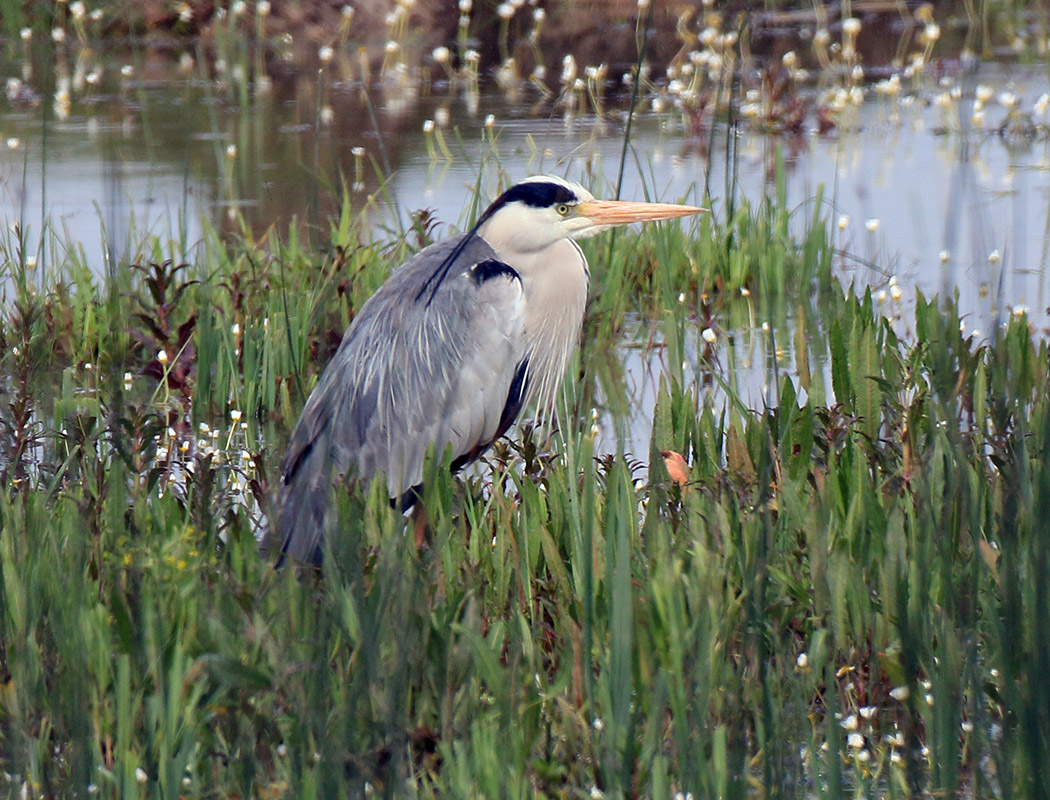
x=555, y=280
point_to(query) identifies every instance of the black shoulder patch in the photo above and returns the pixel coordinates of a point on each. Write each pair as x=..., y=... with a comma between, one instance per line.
x=538, y=194
x=491, y=268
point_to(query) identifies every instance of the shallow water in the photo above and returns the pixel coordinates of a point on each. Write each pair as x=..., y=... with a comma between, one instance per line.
x=157, y=146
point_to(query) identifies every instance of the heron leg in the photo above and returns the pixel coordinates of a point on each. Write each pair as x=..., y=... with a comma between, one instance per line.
x=420, y=525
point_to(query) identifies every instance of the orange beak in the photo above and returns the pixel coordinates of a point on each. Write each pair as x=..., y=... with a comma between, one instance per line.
x=621, y=212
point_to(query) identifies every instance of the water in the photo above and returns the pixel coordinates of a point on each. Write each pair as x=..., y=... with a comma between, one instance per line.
x=156, y=145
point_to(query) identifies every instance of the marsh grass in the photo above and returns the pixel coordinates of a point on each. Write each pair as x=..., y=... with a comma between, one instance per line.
x=866, y=558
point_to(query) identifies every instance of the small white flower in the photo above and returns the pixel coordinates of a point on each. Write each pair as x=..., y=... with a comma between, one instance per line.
x=596, y=793
x=231, y=151
x=127, y=70
x=802, y=662
x=851, y=26
x=140, y=775
x=850, y=723
x=505, y=11
x=932, y=32
x=13, y=143
x=855, y=740
x=899, y=693
x=895, y=293
x=843, y=222
x=162, y=356
x=867, y=712
x=966, y=726
x=262, y=8
x=863, y=756
x=1019, y=310
x=26, y=34
x=235, y=415
x=944, y=256
x=441, y=55
x=709, y=335
x=598, y=724
x=1008, y=100
x=58, y=35
x=983, y=93
x=994, y=257
x=872, y=225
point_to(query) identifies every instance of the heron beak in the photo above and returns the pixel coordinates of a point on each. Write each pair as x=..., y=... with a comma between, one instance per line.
x=621, y=212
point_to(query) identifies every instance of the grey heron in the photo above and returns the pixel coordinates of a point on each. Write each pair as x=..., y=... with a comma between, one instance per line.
x=447, y=352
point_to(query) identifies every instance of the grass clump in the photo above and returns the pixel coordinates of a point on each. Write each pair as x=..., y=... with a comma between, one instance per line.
x=831, y=598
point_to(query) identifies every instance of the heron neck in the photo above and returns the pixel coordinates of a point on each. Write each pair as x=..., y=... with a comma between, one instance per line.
x=555, y=280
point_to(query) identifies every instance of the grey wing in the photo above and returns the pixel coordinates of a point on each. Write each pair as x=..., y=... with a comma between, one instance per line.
x=414, y=369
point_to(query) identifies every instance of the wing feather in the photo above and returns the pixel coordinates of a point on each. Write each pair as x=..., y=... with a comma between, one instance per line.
x=413, y=370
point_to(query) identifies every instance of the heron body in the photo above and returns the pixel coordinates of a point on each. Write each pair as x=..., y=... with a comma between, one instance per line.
x=447, y=352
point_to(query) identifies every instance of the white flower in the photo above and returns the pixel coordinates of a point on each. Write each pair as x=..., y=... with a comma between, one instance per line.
x=872, y=224
x=162, y=356
x=235, y=415
x=505, y=11
x=850, y=723
x=895, y=292
x=140, y=775
x=983, y=93
x=855, y=740
x=932, y=31
x=851, y=26
x=262, y=8
x=843, y=222
x=899, y=693
x=325, y=54
x=441, y=55
x=26, y=34
x=709, y=335
x=867, y=712
x=994, y=256
x=802, y=661
x=58, y=35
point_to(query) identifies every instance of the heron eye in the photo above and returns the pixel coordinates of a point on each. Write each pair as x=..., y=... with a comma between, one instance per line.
x=563, y=209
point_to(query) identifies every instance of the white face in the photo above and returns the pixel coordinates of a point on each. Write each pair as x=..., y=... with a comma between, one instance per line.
x=521, y=228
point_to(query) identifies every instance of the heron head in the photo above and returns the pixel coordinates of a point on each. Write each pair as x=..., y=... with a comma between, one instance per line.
x=541, y=210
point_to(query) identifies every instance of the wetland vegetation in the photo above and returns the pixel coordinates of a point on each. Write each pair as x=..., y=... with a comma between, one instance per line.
x=836, y=587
